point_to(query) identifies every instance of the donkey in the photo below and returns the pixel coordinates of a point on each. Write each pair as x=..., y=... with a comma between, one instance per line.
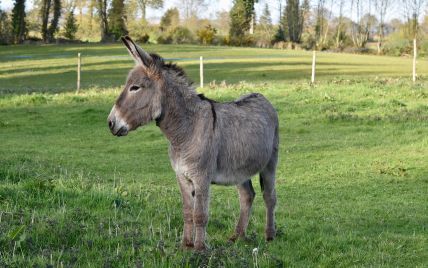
x=210, y=142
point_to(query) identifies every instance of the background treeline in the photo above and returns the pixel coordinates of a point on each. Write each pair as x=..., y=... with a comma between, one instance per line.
x=354, y=26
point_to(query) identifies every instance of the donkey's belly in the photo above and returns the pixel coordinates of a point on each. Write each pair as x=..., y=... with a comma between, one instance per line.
x=230, y=179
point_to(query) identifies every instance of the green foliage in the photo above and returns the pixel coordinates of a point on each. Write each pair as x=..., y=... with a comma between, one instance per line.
x=181, y=35
x=102, y=10
x=5, y=29
x=116, y=15
x=73, y=195
x=294, y=20
x=239, y=22
x=279, y=35
x=53, y=27
x=170, y=19
x=206, y=35
x=397, y=47
x=44, y=14
x=50, y=8
x=19, y=28
x=70, y=27
x=264, y=34
x=171, y=31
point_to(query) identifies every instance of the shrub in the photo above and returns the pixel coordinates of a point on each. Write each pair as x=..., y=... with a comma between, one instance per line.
x=206, y=35
x=397, y=47
x=181, y=35
x=70, y=28
x=164, y=39
x=144, y=39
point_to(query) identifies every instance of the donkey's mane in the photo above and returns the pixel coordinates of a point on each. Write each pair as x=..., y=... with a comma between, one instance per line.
x=159, y=62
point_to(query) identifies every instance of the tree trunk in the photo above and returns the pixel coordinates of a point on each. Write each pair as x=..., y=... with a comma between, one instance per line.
x=46, y=6
x=252, y=24
x=102, y=7
x=143, y=10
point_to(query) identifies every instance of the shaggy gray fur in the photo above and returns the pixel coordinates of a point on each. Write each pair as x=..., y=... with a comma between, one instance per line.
x=210, y=142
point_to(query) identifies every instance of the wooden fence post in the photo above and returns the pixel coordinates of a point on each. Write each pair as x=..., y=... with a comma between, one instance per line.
x=313, y=66
x=78, y=72
x=414, y=60
x=201, y=71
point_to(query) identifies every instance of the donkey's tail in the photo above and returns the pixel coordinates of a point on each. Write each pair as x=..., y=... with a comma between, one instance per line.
x=262, y=186
x=267, y=175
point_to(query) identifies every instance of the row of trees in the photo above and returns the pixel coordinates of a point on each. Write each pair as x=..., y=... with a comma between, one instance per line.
x=306, y=24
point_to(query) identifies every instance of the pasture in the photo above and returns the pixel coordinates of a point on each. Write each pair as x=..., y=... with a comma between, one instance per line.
x=352, y=180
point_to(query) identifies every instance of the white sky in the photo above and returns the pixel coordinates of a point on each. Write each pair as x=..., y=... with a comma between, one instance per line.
x=219, y=5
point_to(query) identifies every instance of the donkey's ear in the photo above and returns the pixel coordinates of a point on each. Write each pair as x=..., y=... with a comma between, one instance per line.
x=137, y=53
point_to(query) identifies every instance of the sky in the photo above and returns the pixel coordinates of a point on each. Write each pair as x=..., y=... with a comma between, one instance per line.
x=225, y=5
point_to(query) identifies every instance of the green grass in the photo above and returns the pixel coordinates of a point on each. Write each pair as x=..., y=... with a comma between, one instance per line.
x=352, y=179
x=53, y=68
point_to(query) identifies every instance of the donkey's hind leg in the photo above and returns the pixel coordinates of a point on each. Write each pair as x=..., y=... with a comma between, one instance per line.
x=267, y=181
x=246, y=198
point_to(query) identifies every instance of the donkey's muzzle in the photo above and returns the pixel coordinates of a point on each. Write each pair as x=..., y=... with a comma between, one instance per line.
x=110, y=124
x=116, y=124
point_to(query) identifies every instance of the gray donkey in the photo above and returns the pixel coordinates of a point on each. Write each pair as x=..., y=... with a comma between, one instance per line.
x=210, y=142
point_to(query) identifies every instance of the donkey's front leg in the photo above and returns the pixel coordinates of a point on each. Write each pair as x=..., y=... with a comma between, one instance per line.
x=187, y=192
x=200, y=213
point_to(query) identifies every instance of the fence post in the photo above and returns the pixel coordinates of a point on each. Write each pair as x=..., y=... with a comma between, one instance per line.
x=201, y=71
x=78, y=72
x=313, y=66
x=414, y=59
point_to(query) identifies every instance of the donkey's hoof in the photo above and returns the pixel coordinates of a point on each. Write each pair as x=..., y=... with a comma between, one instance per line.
x=270, y=235
x=235, y=237
x=201, y=246
x=187, y=245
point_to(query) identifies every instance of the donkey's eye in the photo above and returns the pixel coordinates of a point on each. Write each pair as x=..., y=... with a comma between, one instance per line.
x=134, y=88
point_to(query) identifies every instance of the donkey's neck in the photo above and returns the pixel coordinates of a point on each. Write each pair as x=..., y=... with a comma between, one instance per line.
x=177, y=119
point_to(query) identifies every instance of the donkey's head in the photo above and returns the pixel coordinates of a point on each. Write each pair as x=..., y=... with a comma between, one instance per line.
x=141, y=100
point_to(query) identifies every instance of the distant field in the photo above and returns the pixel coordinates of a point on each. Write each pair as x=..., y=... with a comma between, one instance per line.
x=352, y=177
x=52, y=68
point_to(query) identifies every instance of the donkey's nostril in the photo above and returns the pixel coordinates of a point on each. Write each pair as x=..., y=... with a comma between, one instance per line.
x=110, y=124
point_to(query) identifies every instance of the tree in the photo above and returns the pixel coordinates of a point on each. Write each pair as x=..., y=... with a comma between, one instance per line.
x=322, y=26
x=280, y=34
x=412, y=9
x=241, y=19
x=5, y=29
x=53, y=27
x=293, y=16
x=44, y=13
x=190, y=8
x=340, y=33
x=102, y=12
x=222, y=22
x=206, y=35
x=264, y=29
x=19, y=29
x=156, y=4
x=360, y=29
x=117, y=20
x=169, y=19
x=70, y=27
x=48, y=31
x=265, y=18
x=381, y=7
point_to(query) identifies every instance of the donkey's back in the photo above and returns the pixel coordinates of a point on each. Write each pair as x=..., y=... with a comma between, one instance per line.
x=247, y=138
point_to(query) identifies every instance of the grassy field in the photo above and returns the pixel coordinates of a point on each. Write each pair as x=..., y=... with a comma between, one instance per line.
x=352, y=177
x=53, y=68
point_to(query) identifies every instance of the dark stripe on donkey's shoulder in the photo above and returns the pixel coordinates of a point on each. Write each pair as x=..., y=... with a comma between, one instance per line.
x=202, y=97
